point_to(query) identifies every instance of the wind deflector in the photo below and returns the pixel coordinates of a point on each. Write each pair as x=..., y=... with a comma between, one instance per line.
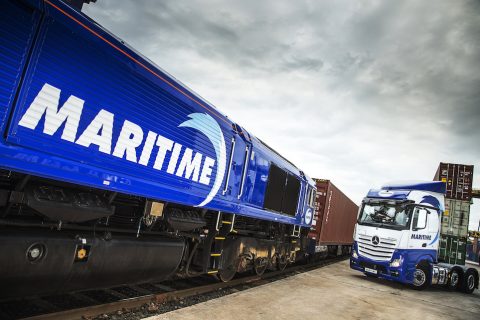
x=432, y=186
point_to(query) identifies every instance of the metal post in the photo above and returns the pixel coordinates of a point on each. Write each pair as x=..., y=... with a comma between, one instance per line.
x=456, y=251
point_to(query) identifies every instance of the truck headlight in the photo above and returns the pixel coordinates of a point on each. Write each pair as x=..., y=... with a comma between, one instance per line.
x=396, y=262
x=354, y=254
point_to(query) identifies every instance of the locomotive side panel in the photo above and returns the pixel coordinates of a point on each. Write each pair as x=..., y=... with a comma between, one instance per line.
x=18, y=26
x=111, y=171
x=84, y=100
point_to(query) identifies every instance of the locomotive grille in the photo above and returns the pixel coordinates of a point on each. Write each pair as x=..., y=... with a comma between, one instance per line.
x=382, y=251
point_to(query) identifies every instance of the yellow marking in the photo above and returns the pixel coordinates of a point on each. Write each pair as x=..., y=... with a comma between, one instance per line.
x=157, y=209
x=234, y=231
x=219, y=238
x=294, y=241
x=212, y=272
x=226, y=222
x=82, y=253
x=215, y=254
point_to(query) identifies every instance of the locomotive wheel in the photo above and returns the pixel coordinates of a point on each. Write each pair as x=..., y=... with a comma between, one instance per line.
x=260, y=265
x=227, y=273
x=230, y=270
x=282, y=262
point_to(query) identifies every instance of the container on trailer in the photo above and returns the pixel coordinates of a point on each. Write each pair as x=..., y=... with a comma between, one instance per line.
x=458, y=178
x=455, y=218
x=335, y=215
x=452, y=250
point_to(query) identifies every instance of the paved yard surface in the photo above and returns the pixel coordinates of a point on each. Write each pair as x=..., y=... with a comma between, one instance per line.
x=334, y=292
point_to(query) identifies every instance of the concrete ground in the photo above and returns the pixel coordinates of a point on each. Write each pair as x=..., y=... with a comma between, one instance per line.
x=334, y=292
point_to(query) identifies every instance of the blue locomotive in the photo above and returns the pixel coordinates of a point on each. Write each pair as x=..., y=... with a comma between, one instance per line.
x=113, y=172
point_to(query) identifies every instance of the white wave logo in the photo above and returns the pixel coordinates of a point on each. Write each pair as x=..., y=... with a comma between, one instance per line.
x=210, y=128
x=308, y=216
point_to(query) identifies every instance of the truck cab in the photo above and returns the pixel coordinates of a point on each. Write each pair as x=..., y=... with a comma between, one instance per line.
x=397, y=237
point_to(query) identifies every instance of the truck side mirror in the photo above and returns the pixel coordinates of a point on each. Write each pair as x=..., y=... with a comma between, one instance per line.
x=420, y=219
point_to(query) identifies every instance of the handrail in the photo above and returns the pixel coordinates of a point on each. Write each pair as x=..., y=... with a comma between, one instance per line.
x=305, y=197
x=245, y=165
x=229, y=167
x=300, y=200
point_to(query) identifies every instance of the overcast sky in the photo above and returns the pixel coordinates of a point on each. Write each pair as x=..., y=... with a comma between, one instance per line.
x=356, y=92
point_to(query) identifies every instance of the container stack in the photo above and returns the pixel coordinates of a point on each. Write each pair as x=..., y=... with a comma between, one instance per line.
x=458, y=196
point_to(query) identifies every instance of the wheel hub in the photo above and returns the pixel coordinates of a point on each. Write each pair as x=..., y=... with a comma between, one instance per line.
x=419, y=277
x=454, y=279
x=471, y=282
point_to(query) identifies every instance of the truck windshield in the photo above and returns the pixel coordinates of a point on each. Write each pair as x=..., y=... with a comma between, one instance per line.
x=396, y=216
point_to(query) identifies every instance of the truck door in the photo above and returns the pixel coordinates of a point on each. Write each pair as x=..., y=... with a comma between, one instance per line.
x=424, y=229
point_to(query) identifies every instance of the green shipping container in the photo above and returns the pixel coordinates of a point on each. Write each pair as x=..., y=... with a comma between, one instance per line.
x=452, y=249
x=455, y=218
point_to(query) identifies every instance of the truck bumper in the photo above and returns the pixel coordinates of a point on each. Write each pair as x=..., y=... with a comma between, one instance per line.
x=380, y=269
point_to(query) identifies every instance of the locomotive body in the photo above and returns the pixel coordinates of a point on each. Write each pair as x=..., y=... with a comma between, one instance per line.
x=112, y=171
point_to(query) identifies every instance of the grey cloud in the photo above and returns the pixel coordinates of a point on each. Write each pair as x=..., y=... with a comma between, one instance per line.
x=360, y=92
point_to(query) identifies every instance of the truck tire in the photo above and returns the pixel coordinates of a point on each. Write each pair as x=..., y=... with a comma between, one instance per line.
x=469, y=281
x=455, y=281
x=421, y=276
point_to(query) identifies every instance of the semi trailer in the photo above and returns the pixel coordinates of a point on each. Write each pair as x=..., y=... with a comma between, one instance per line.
x=397, y=238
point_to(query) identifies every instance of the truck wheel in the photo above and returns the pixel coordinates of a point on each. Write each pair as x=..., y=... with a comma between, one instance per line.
x=455, y=280
x=469, y=282
x=420, y=277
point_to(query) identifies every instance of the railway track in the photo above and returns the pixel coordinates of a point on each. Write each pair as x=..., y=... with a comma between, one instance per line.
x=122, y=300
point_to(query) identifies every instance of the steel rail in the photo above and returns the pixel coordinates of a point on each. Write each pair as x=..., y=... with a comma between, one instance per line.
x=137, y=302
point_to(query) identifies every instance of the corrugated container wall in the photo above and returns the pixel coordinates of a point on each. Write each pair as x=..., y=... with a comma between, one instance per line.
x=452, y=250
x=335, y=215
x=455, y=218
x=459, y=179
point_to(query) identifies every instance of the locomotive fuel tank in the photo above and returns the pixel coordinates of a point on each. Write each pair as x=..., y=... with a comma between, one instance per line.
x=46, y=262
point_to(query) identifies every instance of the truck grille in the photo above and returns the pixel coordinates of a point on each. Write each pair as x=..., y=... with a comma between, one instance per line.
x=382, y=251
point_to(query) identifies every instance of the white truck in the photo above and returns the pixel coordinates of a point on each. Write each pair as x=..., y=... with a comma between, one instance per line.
x=397, y=238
